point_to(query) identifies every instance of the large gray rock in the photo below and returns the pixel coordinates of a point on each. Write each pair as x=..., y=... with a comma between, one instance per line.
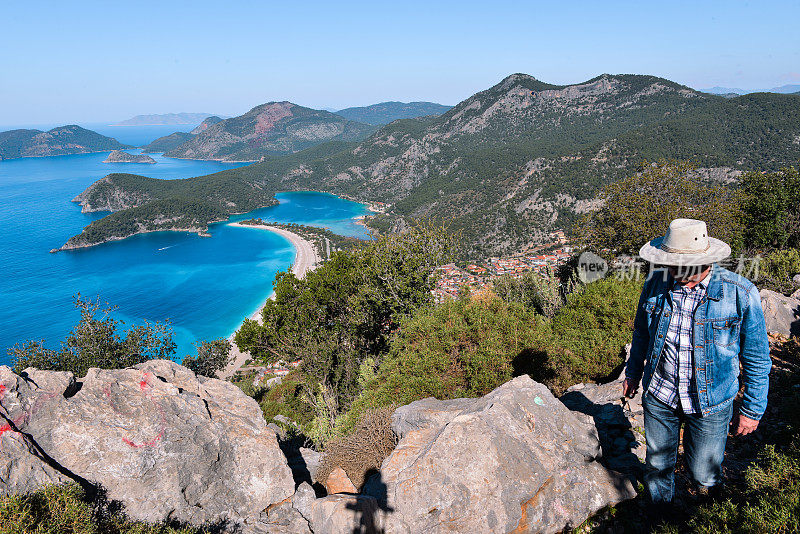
x=159, y=439
x=781, y=313
x=516, y=460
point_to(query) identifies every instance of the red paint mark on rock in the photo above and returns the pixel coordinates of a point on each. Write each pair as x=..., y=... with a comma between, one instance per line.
x=144, y=383
x=145, y=387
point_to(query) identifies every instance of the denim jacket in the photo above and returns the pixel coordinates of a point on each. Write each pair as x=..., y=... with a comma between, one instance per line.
x=729, y=329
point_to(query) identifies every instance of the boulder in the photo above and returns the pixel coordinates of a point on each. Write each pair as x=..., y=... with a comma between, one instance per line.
x=346, y=514
x=515, y=460
x=781, y=313
x=162, y=441
x=796, y=280
x=338, y=482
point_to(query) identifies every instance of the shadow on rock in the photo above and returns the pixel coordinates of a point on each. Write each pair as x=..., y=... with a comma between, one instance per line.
x=371, y=517
x=616, y=423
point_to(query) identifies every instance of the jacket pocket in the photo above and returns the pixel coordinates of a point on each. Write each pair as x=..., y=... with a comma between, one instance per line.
x=726, y=331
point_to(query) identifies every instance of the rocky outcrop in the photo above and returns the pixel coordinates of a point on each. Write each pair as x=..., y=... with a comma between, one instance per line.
x=160, y=440
x=781, y=313
x=515, y=460
x=120, y=156
x=168, y=444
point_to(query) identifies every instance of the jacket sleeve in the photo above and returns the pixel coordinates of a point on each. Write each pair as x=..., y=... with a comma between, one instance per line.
x=754, y=357
x=641, y=340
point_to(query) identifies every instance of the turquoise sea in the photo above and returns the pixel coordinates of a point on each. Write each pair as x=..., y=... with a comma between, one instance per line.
x=204, y=286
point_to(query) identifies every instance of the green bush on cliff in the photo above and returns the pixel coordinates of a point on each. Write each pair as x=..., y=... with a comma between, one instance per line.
x=777, y=270
x=65, y=509
x=771, y=205
x=469, y=346
x=96, y=342
x=212, y=356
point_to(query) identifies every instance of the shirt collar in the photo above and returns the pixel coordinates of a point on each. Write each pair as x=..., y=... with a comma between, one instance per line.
x=702, y=285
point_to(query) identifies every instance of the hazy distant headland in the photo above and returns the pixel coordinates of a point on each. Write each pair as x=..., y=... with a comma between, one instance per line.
x=59, y=141
x=164, y=119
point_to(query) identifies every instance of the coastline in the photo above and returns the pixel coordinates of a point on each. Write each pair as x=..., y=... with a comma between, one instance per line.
x=306, y=259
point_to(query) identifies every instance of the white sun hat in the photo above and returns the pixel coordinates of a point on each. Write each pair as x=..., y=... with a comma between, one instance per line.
x=685, y=243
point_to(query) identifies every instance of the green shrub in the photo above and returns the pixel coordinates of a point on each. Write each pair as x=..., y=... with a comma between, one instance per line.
x=771, y=206
x=65, y=509
x=640, y=207
x=212, y=356
x=778, y=268
x=469, y=346
x=590, y=331
x=95, y=342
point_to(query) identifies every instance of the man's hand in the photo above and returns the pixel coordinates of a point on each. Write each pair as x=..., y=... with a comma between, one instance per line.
x=629, y=388
x=743, y=425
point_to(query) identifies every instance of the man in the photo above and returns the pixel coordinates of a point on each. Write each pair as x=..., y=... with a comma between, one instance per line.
x=695, y=324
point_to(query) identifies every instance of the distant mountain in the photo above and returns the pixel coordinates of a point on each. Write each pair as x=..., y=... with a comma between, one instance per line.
x=267, y=130
x=504, y=167
x=203, y=126
x=167, y=142
x=386, y=112
x=786, y=89
x=63, y=140
x=724, y=91
x=176, y=139
x=164, y=119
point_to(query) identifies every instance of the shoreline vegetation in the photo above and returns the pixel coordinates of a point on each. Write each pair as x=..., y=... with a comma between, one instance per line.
x=307, y=257
x=312, y=246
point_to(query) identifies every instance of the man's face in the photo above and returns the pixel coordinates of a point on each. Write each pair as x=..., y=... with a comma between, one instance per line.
x=688, y=273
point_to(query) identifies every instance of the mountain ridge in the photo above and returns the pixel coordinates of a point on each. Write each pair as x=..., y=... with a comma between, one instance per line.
x=269, y=129
x=390, y=111
x=514, y=162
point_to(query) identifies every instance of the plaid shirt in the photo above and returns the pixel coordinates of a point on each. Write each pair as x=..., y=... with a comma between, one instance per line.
x=673, y=381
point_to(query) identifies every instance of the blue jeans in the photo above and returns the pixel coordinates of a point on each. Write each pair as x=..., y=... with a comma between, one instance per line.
x=704, y=441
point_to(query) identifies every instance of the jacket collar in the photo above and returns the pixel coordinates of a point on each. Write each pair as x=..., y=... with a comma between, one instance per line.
x=715, y=282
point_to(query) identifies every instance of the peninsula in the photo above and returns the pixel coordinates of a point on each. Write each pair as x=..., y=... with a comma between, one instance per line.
x=120, y=156
x=60, y=141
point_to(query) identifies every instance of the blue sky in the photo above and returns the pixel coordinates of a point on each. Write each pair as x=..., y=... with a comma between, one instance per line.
x=86, y=61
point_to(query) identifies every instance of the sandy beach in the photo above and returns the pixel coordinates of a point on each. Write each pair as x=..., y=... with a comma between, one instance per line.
x=306, y=259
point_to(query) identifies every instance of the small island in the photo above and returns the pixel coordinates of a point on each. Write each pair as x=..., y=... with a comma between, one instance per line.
x=120, y=156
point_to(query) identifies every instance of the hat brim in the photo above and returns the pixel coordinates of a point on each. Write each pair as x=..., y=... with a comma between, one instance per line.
x=717, y=250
